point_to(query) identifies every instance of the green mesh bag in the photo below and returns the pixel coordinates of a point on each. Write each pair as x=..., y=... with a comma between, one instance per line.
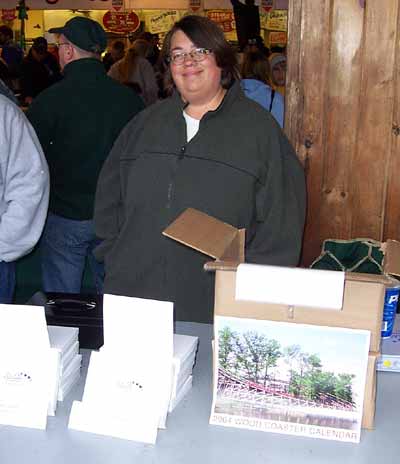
x=358, y=255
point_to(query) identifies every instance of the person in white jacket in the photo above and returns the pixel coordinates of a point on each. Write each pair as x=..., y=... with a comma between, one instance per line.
x=24, y=192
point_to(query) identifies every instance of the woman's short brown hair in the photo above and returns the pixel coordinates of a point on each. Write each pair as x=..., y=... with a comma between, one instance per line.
x=203, y=33
x=255, y=65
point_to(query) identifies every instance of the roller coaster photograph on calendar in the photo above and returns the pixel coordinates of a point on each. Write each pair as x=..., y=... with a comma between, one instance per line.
x=289, y=378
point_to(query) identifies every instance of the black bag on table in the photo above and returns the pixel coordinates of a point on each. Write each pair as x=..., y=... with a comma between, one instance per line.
x=75, y=310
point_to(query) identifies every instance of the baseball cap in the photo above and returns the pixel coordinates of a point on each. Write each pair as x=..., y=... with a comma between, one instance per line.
x=277, y=59
x=84, y=33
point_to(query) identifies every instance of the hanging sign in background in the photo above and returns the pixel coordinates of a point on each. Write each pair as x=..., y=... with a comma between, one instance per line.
x=123, y=21
x=163, y=21
x=117, y=5
x=195, y=5
x=277, y=20
x=8, y=14
x=224, y=18
x=277, y=38
x=267, y=5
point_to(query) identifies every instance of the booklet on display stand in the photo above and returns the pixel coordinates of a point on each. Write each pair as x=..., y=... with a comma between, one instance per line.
x=128, y=385
x=29, y=372
x=118, y=401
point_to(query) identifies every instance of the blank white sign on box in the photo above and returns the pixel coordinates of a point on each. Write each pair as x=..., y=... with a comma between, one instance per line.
x=290, y=286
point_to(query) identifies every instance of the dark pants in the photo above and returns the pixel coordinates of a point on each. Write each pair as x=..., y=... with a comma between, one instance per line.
x=7, y=282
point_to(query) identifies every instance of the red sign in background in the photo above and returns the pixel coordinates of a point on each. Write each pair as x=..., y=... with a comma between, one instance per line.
x=122, y=21
x=117, y=5
x=267, y=5
x=8, y=14
x=278, y=38
x=223, y=18
x=194, y=5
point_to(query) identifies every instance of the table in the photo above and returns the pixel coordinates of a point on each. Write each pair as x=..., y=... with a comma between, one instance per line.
x=190, y=439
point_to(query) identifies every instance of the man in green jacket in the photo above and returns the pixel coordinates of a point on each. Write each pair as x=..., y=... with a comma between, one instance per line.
x=77, y=121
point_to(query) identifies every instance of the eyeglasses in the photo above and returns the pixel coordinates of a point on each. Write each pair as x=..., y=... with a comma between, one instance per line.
x=197, y=55
x=62, y=43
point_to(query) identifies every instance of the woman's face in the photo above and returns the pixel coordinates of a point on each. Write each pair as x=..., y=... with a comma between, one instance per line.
x=197, y=82
x=279, y=74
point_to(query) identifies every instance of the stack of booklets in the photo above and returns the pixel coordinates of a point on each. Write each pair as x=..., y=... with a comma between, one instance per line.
x=29, y=373
x=65, y=341
x=140, y=373
x=185, y=349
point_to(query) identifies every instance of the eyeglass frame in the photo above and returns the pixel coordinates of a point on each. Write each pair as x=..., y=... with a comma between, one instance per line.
x=199, y=52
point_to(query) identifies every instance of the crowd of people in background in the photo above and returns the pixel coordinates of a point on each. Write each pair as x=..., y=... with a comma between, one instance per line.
x=39, y=70
x=154, y=131
x=135, y=62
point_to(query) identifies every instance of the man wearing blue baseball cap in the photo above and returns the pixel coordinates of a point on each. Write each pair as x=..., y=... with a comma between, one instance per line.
x=77, y=121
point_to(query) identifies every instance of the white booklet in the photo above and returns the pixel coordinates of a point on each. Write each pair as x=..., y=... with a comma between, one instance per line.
x=128, y=385
x=29, y=372
x=119, y=400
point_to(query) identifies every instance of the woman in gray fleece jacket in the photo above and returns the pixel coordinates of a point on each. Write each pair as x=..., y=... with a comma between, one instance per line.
x=206, y=147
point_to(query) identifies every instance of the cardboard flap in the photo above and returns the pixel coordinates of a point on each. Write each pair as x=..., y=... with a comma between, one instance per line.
x=208, y=235
x=363, y=277
x=221, y=266
x=391, y=260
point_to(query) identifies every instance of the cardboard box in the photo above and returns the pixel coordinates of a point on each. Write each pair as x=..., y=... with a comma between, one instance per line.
x=363, y=293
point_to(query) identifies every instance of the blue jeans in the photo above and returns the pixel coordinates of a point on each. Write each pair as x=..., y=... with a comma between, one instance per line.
x=65, y=245
x=7, y=282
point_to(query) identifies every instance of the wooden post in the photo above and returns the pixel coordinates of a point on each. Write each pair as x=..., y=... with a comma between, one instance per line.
x=342, y=116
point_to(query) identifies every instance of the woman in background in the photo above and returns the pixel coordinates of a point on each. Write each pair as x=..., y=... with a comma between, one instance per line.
x=135, y=69
x=255, y=84
x=277, y=62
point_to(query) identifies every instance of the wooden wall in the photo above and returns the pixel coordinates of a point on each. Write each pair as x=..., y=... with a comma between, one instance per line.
x=343, y=116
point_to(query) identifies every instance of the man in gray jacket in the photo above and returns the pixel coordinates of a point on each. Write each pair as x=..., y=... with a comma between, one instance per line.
x=24, y=192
